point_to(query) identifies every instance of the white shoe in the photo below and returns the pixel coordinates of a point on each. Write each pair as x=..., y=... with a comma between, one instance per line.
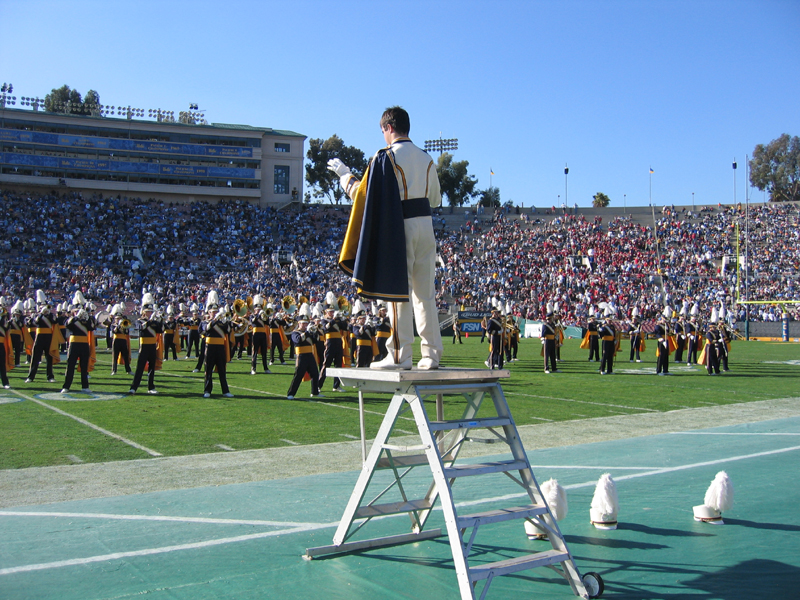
x=8, y=387
x=29, y=380
x=337, y=389
x=65, y=391
x=486, y=362
x=267, y=372
x=195, y=370
x=290, y=397
x=228, y=395
x=86, y=391
x=317, y=395
x=152, y=391
x=113, y=372
x=252, y=371
x=388, y=363
x=427, y=364
x=51, y=380
x=206, y=395
x=131, y=391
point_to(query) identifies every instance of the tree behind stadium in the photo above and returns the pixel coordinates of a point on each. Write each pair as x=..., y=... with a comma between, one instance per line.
x=600, y=200
x=457, y=185
x=325, y=183
x=66, y=100
x=776, y=168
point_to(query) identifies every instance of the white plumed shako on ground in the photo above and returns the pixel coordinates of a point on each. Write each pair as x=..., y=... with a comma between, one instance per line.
x=556, y=497
x=605, y=504
x=718, y=499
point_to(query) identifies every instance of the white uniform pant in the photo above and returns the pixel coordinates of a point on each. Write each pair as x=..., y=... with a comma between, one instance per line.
x=421, y=261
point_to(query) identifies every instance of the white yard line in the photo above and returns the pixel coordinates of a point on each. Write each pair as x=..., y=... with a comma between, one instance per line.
x=90, y=425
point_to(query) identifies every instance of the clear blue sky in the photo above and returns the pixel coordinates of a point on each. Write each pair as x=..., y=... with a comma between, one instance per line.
x=611, y=88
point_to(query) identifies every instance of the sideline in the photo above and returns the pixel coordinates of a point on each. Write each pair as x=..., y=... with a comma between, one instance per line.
x=305, y=527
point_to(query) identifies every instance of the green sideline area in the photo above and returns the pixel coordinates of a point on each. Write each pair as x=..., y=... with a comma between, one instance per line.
x=41, y=427
x=246, y=541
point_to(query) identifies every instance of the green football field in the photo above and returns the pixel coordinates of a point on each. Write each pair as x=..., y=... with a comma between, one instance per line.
x=41, y=427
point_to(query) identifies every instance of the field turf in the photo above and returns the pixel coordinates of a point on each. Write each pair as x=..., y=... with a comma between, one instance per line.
x=40, y=427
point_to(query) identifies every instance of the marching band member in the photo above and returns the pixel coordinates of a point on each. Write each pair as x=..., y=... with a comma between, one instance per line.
x=680, y=337
x=217, y=331
x=121, y=340
x=18, y=331
x=726, y=338
x=278, y=336
x=364, y=340
x=608, y=335
x=151, y=327
x=692, y=331
x=6, y=349
x=259, y=321
x=495, y=333
x=514, y=335
x=559, y=334
x=171, y=334
x=712, y=349
x=192, y=324
x=549, y=333
x=594, y=339
x=304, y=338
x=201, y=332
x=47, y=341
x=661, y=332
x=333, y=328
x=635, y=332
x=81, y=344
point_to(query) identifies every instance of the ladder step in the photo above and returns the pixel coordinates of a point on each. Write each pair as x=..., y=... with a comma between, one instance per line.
x=392, y=508
x=469, y=423
x=505, y=514
x=485, y=468
x=408, y=460
x=521, y=563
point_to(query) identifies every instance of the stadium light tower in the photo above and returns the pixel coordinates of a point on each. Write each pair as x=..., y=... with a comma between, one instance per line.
x=6, y=97
x=441, y=145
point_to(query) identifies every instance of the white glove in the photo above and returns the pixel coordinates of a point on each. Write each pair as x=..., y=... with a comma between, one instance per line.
x=338, y=167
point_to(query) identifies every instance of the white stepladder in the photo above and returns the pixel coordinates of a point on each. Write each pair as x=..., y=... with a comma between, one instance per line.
x=440, y=443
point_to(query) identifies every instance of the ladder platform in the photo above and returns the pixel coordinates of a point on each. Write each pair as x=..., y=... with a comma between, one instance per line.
x=504, y=514
x=391, y=508
x=469, y=423
x=520, y=563
x=484, y=468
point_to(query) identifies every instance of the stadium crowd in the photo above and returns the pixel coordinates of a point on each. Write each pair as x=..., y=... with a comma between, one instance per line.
x=114, y=249
x=573, y=263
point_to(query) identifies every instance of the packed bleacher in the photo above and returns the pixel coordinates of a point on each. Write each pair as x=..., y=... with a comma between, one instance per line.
x=572, y=262
x=114, y=248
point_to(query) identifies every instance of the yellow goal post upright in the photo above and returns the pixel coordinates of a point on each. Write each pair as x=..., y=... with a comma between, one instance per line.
x=747, y=301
